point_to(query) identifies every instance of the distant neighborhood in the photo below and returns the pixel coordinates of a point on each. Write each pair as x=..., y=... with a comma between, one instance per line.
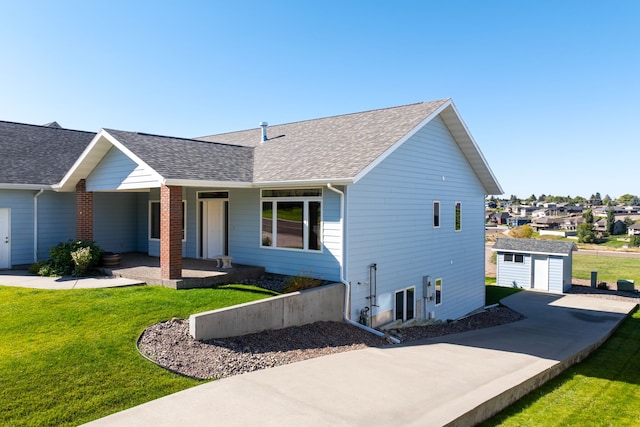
x=564, y=218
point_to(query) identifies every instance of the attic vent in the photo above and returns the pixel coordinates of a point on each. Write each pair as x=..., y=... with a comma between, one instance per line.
x=264, y=125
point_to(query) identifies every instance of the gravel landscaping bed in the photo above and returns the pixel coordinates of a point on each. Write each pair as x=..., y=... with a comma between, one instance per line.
x=170, y=345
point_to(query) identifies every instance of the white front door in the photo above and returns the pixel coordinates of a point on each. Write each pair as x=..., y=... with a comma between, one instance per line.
x=540, y=273
x=5, y=239
x=213, y=228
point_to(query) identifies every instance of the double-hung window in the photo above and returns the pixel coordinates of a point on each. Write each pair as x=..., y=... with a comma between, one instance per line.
x=292, y=219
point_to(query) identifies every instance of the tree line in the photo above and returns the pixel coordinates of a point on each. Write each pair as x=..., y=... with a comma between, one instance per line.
x=594, y=200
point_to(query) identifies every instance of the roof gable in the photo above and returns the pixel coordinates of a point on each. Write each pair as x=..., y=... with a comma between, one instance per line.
x=344, y=148
x=532, y=246
x=38, y=155
x=168, y=160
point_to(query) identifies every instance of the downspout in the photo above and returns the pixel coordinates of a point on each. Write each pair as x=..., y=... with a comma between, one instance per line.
x=35, y=224
x=347, y=286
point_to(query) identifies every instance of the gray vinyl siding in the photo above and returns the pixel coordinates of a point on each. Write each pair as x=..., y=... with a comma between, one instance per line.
x=245, y=240
x=115, y=221
x=556, y=274
x=56, y=220
x=390, y=223
x=117, y=171
x=514, y=274
x=20, y=204
x=567, y=273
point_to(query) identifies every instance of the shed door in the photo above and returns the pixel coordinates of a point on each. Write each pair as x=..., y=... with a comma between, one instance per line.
x=5, y=239
x=541, y=273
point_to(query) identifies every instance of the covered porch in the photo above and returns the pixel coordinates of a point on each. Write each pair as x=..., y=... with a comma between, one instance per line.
x=196, y=273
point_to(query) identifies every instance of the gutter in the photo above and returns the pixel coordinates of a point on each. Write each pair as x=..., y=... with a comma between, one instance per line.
x=35, y=224
x=347, y=286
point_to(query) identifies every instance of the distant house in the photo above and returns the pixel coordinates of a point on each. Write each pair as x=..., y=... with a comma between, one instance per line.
x=545, y=223
x=601, y=226
x=534, y=264
x=634, y=229
x=382, y=201
x=499, y=218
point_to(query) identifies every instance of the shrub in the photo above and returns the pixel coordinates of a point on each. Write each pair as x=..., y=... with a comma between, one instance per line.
x=634, y=241
x=300, y=283
x=75, y=258
x=522, y=232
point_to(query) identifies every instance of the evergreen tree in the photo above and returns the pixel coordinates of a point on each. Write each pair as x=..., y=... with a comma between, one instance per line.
x=588, y=217
x=611, y=219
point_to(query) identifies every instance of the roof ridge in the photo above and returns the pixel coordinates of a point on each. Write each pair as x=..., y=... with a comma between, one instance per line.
x=44, y=126
x=176, y=137
x=331, y=117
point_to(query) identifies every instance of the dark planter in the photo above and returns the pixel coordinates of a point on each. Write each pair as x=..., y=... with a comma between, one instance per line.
x=109, y=259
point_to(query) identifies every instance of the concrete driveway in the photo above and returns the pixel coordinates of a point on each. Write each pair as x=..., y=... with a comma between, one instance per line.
x=457, y=379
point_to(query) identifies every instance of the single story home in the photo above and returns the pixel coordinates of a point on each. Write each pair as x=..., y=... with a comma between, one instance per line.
x=544, y=265
x=389, y=202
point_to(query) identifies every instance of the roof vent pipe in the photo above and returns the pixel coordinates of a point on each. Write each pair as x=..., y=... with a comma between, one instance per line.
x=264, y=125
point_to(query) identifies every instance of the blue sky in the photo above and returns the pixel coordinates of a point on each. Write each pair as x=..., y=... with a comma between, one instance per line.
x=550, y=90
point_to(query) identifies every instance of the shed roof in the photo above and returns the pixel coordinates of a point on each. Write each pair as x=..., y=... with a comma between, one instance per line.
x=532, y=246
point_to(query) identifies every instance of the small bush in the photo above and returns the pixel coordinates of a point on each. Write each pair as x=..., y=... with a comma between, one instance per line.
x=73, y=258
x=634, y=241
x=300, y=283
x=522, y=232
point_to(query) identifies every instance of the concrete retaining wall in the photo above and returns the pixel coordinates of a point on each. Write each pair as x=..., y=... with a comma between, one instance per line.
x=295, y=309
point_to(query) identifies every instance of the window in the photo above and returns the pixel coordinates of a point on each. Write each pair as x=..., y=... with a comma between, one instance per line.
x=154, y=220
x=405, y=304
x=510, y=257
x=291, y=219
x=438, y=291
x=458, y=216
x=436, y=214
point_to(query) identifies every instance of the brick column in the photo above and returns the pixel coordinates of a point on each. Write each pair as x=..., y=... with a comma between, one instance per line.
x=84, y=212
x=171, y=232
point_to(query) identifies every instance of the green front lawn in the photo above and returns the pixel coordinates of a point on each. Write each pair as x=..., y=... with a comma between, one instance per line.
x=609, y=269
x=69, y=357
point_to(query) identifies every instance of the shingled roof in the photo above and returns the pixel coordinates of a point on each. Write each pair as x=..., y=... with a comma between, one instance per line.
x=532, y=246
x=189, y=159
x=338, y=148
x=32, y=155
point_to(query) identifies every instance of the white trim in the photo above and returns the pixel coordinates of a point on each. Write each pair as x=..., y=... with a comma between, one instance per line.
x=199, y=219
x=435, y=292
x=8, y=236
x=404, y=304
x=305, y=220
x=100, y=145
x=528, y=252
x=6, y=186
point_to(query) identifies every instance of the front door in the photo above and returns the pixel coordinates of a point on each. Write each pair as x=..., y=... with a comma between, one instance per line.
x=213, y=229
x=540, y=273
x=5, y=239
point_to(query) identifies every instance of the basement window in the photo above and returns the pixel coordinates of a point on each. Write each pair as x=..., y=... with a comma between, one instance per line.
x=405, y=304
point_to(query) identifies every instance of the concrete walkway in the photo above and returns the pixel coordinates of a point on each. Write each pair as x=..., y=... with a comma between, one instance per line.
x=22, y=278
x=457, y=379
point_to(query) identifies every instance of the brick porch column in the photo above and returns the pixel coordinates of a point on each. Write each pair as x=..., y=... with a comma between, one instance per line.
x=84, y=211
x=170, y=232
